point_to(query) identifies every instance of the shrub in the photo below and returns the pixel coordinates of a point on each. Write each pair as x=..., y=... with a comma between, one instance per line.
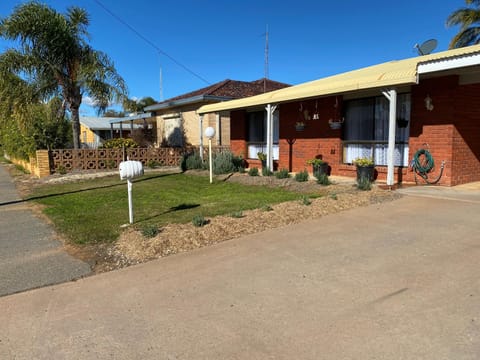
x=323, y=179
x=223, y=163
x=334, y=196
x=61, y=170
x=199, y=221
x=237, y=214
x=253, y=171
x=192, y=161
x=305, y=200
x=301, y=176
x=150, y=231
x=364, y=184
x=266, y=171
x=152, y=164
x=282, y=174
x=119, y=143
x=267, y=208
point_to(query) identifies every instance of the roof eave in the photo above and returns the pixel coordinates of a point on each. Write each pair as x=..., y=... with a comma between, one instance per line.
x=187, y=101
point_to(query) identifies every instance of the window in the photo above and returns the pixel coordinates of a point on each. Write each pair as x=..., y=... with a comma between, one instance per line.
x=257, y=134
x=366, y=129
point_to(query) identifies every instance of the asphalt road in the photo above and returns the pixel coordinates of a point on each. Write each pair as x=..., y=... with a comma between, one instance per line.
x=30, y=256
x=396, y=280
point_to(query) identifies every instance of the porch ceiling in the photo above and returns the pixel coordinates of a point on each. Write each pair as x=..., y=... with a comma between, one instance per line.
x=390, y=74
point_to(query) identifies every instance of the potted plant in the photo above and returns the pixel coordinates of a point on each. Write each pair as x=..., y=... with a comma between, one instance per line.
x=319, y=166
x=299, y=126
x=365, y=168
x=263, y=158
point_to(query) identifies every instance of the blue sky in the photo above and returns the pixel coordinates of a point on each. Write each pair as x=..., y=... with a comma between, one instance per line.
x=225, y=39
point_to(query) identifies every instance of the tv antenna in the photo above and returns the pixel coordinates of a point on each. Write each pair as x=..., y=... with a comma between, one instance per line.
x=266, y=62
x=427, y=47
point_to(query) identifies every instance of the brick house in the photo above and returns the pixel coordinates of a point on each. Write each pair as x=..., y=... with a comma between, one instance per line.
x=177, y=120
x=387, y=111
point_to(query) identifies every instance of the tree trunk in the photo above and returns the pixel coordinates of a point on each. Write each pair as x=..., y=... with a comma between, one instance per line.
x=75, y=127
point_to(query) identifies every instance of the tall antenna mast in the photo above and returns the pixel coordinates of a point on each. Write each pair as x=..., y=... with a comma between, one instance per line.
x=266, y=62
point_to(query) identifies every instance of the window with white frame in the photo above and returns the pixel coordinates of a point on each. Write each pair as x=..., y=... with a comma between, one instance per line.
x=366, y=129
x=257, y=134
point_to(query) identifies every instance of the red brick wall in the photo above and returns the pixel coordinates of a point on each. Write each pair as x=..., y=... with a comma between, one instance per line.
x=296, y=147
x=451, y=129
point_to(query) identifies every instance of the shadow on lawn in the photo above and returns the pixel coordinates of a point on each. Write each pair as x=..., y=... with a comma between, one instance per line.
x=172, y=209
x=84, y=190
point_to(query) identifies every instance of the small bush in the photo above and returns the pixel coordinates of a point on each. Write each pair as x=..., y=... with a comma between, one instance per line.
x=323, y=179
x=192, y=161
x=61, y=170
x=152, y=164
x=253, y=171
x=237, y=214
x=150, y=231
x=266, y=171
x=199, y=221
x=119, y=143
x=364, y=184
x=334, y=196
x=301, y=176
x=267, y=208
x=282, y=174
x=223, y=163
x=242, y=170
x=306, y=200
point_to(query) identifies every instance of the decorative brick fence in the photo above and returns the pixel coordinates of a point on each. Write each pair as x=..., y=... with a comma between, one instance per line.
x=67, y=160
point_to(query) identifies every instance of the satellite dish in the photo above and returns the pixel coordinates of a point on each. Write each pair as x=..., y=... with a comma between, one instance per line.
x=427, y=47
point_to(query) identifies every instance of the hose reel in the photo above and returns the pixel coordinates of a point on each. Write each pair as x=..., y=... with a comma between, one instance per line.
x=422, y=164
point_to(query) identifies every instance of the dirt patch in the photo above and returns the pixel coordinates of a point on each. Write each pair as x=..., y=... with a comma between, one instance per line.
x=133, y=248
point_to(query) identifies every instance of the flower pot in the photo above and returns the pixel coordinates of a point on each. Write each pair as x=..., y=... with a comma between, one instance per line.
x=367, y=172
x=320, y=169
x=335, y=125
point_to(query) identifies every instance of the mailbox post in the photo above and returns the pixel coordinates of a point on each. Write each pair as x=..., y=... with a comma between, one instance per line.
x=128, y=170
x=210, y=133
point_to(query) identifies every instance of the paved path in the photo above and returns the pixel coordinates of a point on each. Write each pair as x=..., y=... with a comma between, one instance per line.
x=29, y=255
x=396, y=280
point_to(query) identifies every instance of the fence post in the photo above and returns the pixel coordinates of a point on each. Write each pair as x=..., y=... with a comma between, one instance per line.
x=43, y=163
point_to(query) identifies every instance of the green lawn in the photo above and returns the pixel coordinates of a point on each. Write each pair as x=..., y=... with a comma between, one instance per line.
x=92, y=211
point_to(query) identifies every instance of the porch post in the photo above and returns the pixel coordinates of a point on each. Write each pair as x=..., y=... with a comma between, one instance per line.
x=391, y=95
x=218, y=130
x=111, y=130
x=270, y=110
x=200, y=124
x=121, y=130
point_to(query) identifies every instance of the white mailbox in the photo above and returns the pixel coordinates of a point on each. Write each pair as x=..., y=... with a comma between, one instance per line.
x=130, y=169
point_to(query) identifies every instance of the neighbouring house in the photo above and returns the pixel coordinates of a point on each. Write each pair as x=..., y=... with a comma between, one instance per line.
x=386, y=112
x=178, y=123
x=95, y=130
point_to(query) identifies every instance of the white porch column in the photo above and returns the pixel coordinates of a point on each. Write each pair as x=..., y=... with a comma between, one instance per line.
x=270, y=110
x=218, y=129
x=391, y=95
x=200, y=124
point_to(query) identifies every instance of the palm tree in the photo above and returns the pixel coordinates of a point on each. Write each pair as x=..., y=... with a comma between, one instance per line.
x=55, y=58
x=469, y=20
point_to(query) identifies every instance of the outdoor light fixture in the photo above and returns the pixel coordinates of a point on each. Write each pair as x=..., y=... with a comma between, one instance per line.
x=210, y=133
x=428, y=103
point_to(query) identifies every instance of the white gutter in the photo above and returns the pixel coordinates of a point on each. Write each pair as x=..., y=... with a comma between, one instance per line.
x=391, y=95
x=449, y=63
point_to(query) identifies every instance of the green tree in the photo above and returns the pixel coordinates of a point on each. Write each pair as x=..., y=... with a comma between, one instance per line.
x=55, y=59
x=135, y=106
x=468, y=18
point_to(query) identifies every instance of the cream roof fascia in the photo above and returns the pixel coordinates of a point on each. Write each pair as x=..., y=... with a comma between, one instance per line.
x=393, y=73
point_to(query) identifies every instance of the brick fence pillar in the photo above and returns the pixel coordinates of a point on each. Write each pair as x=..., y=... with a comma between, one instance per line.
x=43, y=163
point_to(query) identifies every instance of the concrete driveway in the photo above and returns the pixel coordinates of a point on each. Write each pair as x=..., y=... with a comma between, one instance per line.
x=30, y=255
x=398, y=280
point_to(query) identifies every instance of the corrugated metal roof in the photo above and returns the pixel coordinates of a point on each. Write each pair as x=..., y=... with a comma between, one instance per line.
x=393, y=73
x=102, y=123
